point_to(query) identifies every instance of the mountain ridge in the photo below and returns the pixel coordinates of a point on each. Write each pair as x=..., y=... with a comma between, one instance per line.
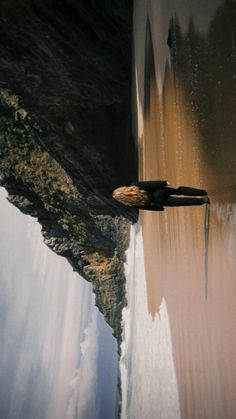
x=65, y=132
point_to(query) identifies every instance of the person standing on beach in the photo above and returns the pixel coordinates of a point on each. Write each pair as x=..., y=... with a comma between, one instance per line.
x=155, y=195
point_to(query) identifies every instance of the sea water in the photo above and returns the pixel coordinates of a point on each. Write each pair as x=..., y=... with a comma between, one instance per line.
x=149, y=386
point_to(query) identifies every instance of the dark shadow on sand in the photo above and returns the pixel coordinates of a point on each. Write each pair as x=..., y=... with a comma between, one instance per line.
x=206, y=253
x=149, y=68
x=207, y=68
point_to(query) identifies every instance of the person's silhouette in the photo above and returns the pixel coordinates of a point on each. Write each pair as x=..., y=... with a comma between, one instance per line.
x=155, y=195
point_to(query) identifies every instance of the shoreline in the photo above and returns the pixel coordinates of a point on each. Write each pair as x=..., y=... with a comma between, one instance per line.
x=178, y=141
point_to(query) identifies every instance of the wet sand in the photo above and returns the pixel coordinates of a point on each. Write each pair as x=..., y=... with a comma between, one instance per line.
x=186, y=134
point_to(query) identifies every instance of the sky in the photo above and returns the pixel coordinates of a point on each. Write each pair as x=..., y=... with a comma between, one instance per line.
x=58, y=356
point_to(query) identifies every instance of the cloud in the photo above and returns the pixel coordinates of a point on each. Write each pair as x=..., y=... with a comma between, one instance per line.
x=87, y=380
x=48, y=322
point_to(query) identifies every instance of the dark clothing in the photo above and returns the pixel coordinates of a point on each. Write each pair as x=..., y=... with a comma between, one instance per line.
x=161, y=195
x=151, y=185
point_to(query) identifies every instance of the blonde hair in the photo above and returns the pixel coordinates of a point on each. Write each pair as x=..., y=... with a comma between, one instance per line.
x=131, y=195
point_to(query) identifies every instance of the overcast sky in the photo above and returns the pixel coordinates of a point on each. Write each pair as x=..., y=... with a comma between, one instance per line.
x=58, y=357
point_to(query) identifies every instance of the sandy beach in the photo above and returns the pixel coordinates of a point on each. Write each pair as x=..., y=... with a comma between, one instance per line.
x=185, y=94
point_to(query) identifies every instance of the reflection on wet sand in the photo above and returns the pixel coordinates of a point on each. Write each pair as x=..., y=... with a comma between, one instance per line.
x=189, y=138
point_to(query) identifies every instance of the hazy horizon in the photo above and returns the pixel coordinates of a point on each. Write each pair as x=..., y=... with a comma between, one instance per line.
x=54, y=341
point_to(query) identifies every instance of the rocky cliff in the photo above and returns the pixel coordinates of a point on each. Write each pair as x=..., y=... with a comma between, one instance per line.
x=65, y=131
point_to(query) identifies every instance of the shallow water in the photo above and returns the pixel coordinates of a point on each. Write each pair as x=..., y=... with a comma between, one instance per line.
x=146, y=348
x=185, y=126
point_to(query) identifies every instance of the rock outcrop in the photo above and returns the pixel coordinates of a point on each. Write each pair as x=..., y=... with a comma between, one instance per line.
x=65, y=131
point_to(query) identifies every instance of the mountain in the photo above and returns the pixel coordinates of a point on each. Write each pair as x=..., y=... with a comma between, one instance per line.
x=65, y=131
